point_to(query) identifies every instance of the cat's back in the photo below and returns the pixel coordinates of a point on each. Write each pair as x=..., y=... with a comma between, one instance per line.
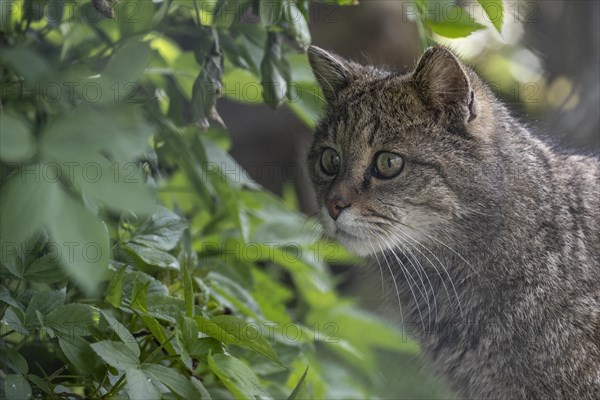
x=578, y=194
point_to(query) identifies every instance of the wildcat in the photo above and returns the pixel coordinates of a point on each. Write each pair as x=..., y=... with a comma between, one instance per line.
x=492, y=238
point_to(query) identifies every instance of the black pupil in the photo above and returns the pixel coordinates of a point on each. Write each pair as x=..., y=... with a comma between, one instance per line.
x=389, y=161
x=388, y=164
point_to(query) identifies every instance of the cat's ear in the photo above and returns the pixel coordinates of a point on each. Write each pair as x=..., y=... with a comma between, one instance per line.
x=333, y=73
x=444, y=82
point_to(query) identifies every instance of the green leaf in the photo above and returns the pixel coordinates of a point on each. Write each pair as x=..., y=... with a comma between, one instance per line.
x=232, y=330
x=131, y=281
x=35, y=260
x=135, y=16
x=122, y=332
x=14, y=318
x=298, y=27
x=27, y=203
x=79, y=352
x=162, y=230
x=129, y=60
x=272, y=77
x=139, y=295
x=45, y=269
x=13, y=359
x=166, y=308
x=152, y=256
x=495, y=12
x=121, y=187
x=298, y=389
x=173, y=380
x=83, y=243
x=186, y=333
x=27, y=62
x=16, y=387
x=72, y=319
x=114, y=292
x=236, y=376
x=242, y=86
x=78, y=136
x=17, y=141
x=139, y=386
x=188, y=291
x=226, y=12
x=116, y=354
x=6, y=297
x=39, y=382
x=452, y=22
x=44, y=303
x=203, y=346
x=191, y=163
x=270, y=12
x=223, y=167
x=159, y=333
x=231, y=293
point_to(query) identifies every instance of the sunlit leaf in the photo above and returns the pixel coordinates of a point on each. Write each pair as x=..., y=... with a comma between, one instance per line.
x=451, y=21
x=298, y=389
x=232, y=330
x=495, y=12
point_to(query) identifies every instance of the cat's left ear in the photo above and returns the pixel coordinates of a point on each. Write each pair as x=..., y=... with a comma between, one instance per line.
x=443, y=81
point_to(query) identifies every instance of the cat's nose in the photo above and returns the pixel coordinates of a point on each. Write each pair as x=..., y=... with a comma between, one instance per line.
x=336, y=204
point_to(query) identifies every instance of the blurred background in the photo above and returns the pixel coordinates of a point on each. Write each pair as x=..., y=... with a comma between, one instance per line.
x=545, y=66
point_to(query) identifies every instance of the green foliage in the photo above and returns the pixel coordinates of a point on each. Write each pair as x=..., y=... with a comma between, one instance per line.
x=455, y=19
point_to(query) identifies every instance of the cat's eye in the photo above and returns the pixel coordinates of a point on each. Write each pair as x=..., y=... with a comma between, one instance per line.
x=388, y=165
x=330, y=162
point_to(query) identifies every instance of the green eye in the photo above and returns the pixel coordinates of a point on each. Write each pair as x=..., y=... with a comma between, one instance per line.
x=388, y=165
x=330, y=162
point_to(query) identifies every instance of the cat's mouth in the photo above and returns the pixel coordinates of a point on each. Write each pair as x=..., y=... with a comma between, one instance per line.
x=339, y=232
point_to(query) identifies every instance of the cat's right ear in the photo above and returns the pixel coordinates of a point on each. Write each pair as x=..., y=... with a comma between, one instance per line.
x=333, y=73
x=444, y=83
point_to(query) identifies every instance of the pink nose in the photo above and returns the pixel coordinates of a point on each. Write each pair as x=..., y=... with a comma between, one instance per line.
x=335, y=204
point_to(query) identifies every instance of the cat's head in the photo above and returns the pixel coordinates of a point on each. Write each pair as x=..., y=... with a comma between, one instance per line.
x=387, y=156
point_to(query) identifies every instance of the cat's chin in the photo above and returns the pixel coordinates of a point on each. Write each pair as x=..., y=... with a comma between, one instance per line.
x=362, y=247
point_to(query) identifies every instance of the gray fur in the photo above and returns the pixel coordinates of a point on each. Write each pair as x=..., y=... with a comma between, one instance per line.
x=492, y=238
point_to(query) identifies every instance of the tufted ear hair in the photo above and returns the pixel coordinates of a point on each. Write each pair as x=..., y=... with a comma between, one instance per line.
x=443, y=82
x=333, y=72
